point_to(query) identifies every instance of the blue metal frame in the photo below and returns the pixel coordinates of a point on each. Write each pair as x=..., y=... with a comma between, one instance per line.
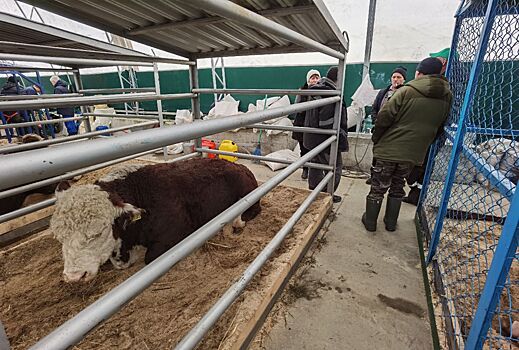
x=497, y=179
x=436, y=146
x=499, y=269
x=460, y=133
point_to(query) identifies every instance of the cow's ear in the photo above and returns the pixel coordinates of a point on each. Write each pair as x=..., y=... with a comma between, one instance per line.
x=63, y=186
x=133, y=212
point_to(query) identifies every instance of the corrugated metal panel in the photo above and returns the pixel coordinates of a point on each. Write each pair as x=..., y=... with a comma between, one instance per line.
x=20, y=30
x=183, y=29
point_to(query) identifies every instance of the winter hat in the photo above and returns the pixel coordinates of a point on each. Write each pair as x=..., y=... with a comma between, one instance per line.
x=312, y=72
x=54, y=79
x=332, y=73
x=430, y=65
x=11, y=79
x=402, y=70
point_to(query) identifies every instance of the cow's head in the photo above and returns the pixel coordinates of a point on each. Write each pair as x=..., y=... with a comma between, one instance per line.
x=82, y=222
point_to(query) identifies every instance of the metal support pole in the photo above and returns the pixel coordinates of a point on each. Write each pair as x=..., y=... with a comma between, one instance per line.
x=334, y=148
x=460, y=133
x=84, y=109
x=369, y=38
x=293, y=128
x=217, y=310
x=87, y=100
x=268, y=92
x=40, y=164
x=72, y=331
x=40, y=144
x=159, y=102
x=42, y=122
x=195, y=100
x=267, y=159
x=504, y=255
x=124, y=116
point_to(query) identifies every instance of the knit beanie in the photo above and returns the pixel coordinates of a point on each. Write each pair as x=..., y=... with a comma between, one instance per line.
x=312, y=72
x=402, y=70
x=430, y=65
x=11, y=79
x=332, y=73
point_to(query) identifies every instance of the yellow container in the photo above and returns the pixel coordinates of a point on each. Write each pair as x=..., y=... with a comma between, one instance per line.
x=228, y=146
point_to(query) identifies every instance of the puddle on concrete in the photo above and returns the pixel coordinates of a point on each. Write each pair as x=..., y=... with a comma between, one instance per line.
x=402, y=305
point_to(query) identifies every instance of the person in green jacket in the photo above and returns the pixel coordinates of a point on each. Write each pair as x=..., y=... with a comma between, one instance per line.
x=406, y=125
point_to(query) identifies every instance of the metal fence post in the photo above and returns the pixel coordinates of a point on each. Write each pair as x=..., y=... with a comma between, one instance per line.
x=436, y=144
x=84, y=109
x=461, y=129
x=334, y=147
x=499, y=269
x=159, y=102
x=195, y=100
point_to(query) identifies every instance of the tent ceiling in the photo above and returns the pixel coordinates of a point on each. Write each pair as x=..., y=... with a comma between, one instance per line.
x=184, y=29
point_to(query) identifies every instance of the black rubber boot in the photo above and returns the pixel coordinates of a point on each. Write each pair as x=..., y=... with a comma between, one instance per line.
x=392, y=211
x=413, y=196
x=370, y=216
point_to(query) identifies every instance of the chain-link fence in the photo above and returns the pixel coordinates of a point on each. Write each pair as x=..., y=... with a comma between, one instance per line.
x=469, y=210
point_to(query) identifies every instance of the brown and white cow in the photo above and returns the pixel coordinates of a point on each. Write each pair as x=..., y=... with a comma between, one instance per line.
x=155, y=206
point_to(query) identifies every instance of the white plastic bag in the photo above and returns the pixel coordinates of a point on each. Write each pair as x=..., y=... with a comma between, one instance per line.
x=365, y=94
x=183, y=116
x=284, y=154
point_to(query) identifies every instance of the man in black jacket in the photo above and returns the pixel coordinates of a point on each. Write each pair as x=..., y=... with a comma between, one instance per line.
x=323, y=117
x=60, y=87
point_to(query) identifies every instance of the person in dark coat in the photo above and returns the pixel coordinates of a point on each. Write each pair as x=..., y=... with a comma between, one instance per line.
x=312, y=77
x=406, y=126
x=60, y=87
x=323, y=118
x=12, y=87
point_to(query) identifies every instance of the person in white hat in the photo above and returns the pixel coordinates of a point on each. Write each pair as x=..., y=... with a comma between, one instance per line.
x=312, y=77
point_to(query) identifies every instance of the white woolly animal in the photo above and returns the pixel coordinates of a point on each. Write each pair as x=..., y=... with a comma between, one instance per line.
x=82, y=222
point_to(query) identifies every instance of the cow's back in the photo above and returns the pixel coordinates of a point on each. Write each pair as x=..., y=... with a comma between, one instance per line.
x=181, y=197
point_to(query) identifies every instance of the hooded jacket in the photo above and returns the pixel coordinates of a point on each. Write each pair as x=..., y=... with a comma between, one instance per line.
x=323, y=118
x=411, y=119
x=11, y=88
x=62, y=88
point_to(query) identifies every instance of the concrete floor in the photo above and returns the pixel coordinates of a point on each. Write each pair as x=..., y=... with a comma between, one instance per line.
x=368, y=290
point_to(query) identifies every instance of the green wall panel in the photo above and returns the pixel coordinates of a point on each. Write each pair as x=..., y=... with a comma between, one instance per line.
x=286, y=77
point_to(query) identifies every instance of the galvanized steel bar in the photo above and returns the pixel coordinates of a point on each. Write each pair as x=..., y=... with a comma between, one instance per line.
x=460, y=133
x=35, y=97
x=217, y=310
x=32, y=208
x=293, y=128
x=32, y=166
x=334, y=148
x=72, y=331
x=88, y=100
x=144, y=112
x=195, y=100
x=241, y=15
x=71, y=62
x=38, y=184
x=267, y=159
x=124, y=116
x=268, y=92
x=369, y=38
x=115, y=90
x=40, y=144
x=156, y=78
x=26, y=210
x=41, y=122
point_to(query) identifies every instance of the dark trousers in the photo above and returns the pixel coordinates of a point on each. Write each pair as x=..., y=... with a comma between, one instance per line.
x=316, y=175
x=388, y=175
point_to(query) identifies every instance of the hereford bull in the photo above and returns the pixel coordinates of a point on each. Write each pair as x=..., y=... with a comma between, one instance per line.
x=155, y=206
